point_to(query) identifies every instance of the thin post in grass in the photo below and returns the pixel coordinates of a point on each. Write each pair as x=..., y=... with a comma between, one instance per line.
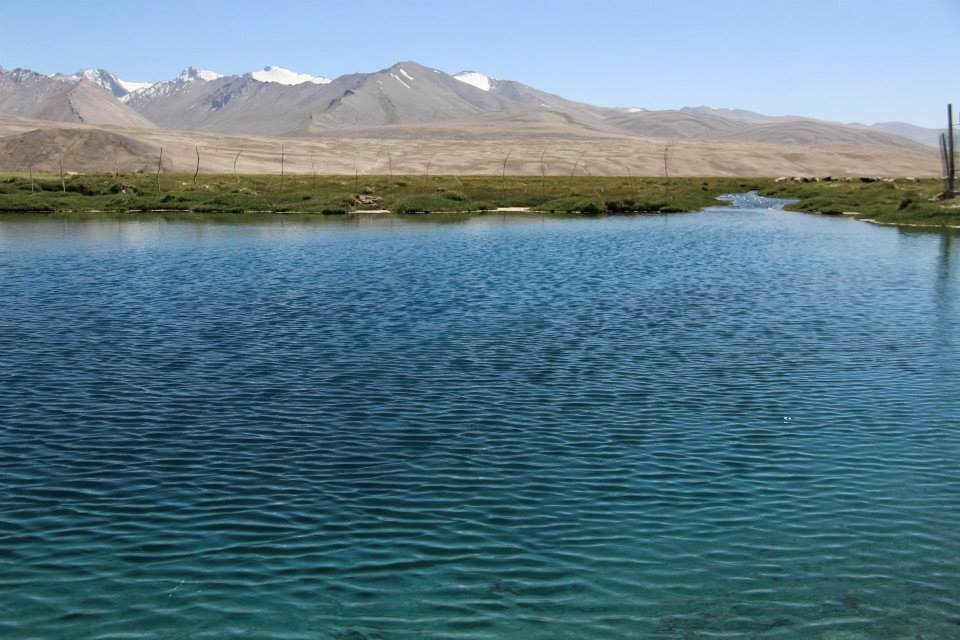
x=197, y=170
x=236, y=159
x=945, y=161
x=63, y=183
x=356, y=174
x=30, y=169
x=159, y=169
x=951, y=158
x=503, y=176
x=543, y=173
x=666, y=167
x=426, y=179
x=282, y=175
x=390, y=165
x=573, y=172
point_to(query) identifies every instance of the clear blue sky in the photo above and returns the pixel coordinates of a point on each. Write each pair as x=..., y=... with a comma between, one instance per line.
x=848, y=60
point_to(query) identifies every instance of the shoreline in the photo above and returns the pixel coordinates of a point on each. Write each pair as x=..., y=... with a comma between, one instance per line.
x=911, y=203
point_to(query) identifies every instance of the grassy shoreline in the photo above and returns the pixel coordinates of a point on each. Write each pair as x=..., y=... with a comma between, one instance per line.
x=339, y=195
x=894, y=203
x=908, y=203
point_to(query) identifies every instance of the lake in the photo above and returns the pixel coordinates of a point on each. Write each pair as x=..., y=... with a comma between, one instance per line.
x=739, y=423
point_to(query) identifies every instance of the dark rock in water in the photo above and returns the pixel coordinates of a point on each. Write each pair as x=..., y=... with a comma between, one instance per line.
x=850, y=601
x=779, y=623
x=353, y=634
x=502, y=588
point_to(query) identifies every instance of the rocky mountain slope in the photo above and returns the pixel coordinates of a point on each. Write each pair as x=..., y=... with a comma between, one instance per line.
x=32, y=95
x=417, y=107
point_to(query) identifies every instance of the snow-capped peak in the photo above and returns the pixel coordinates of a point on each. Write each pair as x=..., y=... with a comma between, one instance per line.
x=189, y=76
x=279, y=75
x=192, y=74
x=106, y=80
x=96, y=75
x=478, y=80
x=132, y=87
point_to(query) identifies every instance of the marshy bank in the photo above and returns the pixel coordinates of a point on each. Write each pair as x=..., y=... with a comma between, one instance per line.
x=339, y=195
x=896, y=202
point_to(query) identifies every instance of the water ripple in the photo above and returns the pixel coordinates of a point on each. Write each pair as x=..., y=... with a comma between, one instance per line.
x=736, y=424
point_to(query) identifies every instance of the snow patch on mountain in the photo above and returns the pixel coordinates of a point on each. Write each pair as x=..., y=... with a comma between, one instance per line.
x=104, y=79
x=478, y=80
x=132, y=87
x=400, y=80
x=192, y=74
x=186, y=78
x=279, y=75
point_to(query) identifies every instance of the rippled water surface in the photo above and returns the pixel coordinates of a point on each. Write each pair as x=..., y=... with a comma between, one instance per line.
x=741, y=423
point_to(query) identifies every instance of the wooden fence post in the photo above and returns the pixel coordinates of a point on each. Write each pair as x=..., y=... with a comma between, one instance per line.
x=503, y=175
x=197, y=171
x=543, y=173
x=951, y=158
x=159, y=169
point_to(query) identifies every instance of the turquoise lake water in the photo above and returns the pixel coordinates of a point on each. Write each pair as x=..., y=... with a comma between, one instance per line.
x=741, y=423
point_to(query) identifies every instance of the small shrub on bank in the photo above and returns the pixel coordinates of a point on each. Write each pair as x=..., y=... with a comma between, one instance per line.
x=585, y=205
x=434, y=203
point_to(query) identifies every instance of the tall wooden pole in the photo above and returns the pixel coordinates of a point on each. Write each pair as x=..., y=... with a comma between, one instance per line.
x=159, y=169
x=952, y=176
x=543, y=173
x=503, y=176
x=197, y=172
x=945, y=162
x=63, y=183
x=573, y=172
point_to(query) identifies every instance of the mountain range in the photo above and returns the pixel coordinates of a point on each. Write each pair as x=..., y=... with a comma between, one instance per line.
x=405, y=101
x=281, y=102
